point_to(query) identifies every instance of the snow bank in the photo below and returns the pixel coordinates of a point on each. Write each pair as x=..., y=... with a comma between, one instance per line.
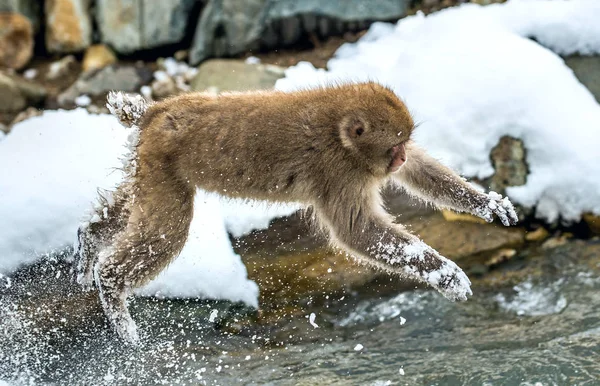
x=207, y=266
x=470, y=75
x=52, y=166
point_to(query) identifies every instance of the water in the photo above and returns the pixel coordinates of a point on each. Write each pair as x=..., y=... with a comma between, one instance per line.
x=543, y=331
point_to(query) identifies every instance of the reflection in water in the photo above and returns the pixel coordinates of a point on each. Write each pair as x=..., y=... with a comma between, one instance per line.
x=545, y=332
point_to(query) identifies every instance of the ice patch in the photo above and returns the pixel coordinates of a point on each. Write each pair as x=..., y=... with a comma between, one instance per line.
x=410, y=304
x=534, y=300
x=311, y=320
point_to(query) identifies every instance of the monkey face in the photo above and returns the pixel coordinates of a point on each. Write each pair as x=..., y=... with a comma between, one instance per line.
x=377, y=131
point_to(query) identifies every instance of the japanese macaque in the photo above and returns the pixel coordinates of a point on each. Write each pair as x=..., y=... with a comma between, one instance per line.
x=332, y=149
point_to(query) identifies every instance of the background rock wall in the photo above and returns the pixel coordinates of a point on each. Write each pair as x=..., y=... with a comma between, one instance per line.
x=211, y=28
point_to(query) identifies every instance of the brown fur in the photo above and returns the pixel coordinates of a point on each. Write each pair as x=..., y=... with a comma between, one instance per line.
x=329, y=148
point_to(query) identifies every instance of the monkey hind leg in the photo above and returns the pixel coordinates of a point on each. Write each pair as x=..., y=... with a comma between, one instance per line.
x=157, y=230
x=109, y=218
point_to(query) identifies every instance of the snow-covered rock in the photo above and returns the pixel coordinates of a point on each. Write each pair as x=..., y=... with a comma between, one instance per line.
x=471, y=75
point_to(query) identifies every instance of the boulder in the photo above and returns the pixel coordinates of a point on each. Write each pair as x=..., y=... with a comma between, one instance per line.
x=230, y=27
x=16, y=40
x=61, y=67
x=17, y=93
x=11, y=99
x=537, y=235
x=26, y=114
x=68, y=25
x=593, y=222
x=131, y=25
x=31, y=9
x=33, y=92
x=98, y=56
x=123, y=78
x=587, y=70
x=508, y=158
x=235, y=75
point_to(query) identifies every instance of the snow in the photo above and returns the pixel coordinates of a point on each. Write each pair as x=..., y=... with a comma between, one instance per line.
x=30, y=73
x=531, y=299
x=52, y=167
x=207, y=266
x=412, y=256
x=83, y=101
x=311, y=320
x=213, y=315
x=471, y=75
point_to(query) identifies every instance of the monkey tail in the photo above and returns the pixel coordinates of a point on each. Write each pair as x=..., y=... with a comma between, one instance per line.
x=127, y=108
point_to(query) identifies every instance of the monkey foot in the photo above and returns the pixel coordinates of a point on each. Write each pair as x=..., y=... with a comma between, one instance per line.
x=126, y=329
x=494, y=204
x=86, y=281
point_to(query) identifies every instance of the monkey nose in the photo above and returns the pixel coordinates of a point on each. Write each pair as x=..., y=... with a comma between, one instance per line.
x=398, y=158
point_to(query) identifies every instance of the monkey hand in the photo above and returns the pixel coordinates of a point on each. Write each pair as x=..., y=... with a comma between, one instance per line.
x=453, y=283
x=446, y=277
x=493, y=204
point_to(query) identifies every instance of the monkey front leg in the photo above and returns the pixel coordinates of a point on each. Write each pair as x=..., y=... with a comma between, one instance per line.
x=380, y=243
x=431, y=181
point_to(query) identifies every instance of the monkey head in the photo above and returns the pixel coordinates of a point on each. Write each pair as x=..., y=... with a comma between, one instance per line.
x=375, y=128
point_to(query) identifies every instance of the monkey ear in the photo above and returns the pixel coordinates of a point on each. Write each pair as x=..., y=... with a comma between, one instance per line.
x=350, y=131
x=356, y=130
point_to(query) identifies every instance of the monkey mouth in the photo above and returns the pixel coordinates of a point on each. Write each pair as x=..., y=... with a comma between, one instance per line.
x=398, y=154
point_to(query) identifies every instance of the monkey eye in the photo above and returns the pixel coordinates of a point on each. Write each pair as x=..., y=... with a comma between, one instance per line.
x=359, y=131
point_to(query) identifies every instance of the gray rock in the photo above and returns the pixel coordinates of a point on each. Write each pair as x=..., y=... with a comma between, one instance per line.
x=34, y=93
x=29, y=8
x=17, y=93
x=229, y=27
x=24, y=115
x=61, y=67
x=122, y=78
x=508, y=158
x=11, y=99
x=132, y=25
x=587, y=70
x=235, y=75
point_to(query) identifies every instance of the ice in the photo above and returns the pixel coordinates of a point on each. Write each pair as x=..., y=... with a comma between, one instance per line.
x=471, y=75
x=311, y=320
x=530, y=299
x=213, y=315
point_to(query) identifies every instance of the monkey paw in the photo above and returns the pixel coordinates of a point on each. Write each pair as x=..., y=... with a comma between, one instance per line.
x=85, y=280
x=126, y=329
x=451, y=281
x=494, y=204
